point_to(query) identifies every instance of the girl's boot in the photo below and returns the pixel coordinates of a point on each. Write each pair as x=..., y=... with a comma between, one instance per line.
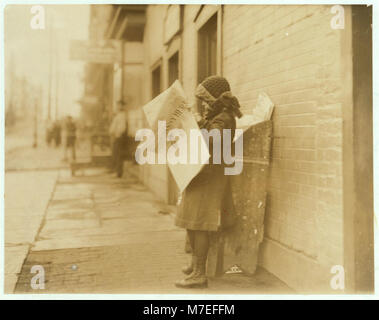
x=197, y=279
x=189, y=268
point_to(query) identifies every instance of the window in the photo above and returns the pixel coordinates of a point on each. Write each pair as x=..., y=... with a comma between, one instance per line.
x=207, y=49
x=156, y=82
x=207, y=52
x=173, y=68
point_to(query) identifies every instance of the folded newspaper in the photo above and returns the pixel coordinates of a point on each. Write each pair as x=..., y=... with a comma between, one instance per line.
x=171, y=106
x=261, y=112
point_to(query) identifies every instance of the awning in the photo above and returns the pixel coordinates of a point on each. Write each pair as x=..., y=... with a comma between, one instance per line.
x=127, y=23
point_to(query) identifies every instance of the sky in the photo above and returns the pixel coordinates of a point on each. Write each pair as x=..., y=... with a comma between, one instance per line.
x=33, y=50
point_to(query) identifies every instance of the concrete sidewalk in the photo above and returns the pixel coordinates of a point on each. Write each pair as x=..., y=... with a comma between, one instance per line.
x=107, y=235
x=26, y=196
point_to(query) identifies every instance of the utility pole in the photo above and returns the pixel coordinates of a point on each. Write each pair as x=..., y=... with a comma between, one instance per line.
x=10, y=111
x=57, y=74
x=35, y=143
x=50, y=70
x=122, y=70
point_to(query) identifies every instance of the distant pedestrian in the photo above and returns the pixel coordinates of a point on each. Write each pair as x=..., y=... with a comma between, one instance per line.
x=70, y=138
x=49, y=132
x=57, y=133
x=118, y=133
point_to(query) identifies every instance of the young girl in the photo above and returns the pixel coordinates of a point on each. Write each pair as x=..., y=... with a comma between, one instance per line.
x=208, y=195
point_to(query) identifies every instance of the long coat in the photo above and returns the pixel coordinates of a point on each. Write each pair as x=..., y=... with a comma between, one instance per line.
x=207, y=201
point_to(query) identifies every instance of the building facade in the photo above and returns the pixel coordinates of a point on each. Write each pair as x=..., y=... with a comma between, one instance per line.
x=315, y=66
x=97, y=97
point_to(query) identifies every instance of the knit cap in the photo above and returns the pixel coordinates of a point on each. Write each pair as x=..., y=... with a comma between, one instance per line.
x=215, y=90
x=216, y=85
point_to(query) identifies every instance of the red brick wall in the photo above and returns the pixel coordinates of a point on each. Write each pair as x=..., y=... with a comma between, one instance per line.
x=293, y=54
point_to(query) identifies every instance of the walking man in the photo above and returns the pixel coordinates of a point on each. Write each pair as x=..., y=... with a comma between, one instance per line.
x=57, y=133
x=70, y=138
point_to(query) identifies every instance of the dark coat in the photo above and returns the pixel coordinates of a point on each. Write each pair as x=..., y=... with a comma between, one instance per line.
x=207, y=200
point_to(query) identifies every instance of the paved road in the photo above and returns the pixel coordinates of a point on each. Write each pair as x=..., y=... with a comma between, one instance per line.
x=20, y=154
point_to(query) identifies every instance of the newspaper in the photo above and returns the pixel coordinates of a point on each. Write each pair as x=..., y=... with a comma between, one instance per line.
x=261, y=112
x=171, y=106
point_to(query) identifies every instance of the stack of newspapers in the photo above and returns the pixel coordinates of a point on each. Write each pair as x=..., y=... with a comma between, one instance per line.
x=261, y=112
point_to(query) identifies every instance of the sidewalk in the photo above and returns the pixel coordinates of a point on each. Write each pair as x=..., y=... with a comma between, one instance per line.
x=101, y=234
x=25, y=200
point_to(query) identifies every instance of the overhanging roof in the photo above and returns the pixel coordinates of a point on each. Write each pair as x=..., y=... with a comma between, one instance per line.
x=127, y=22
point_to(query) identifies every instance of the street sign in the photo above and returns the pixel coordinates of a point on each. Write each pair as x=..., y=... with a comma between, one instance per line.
x=94, y=52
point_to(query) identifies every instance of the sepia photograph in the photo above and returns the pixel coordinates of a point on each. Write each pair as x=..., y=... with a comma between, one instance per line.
x=188, y=149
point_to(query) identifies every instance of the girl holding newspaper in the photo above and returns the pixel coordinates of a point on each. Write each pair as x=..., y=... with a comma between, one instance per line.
x=207, y=201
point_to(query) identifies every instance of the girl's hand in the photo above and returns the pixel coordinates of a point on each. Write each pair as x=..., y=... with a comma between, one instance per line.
x=198, y=116
x=193, y=109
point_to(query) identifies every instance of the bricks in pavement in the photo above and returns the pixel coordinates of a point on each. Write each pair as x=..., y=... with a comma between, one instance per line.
x=105, y=235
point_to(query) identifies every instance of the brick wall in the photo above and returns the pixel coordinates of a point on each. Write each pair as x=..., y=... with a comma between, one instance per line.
x=292, y=54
